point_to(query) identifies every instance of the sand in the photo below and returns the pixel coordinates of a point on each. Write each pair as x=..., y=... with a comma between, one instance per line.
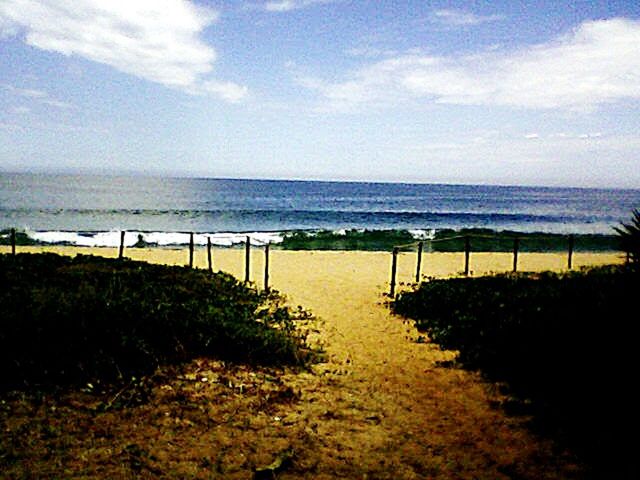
x=380, y=406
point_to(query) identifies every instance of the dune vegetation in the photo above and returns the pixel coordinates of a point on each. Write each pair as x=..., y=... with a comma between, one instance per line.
x=564, y=343
x=91, y=319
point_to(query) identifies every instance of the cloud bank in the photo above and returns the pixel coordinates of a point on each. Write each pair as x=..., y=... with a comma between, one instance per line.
x=597, y=63
x=157, y=40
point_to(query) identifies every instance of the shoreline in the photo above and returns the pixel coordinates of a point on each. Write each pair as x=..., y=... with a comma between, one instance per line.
x=378, y=240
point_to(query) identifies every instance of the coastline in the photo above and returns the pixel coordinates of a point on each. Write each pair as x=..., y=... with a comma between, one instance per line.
x=375, y=240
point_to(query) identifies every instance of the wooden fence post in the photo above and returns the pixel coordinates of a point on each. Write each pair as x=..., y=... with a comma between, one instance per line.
x=467, y=250
x=570, y=261
x=247, y=260
x=121, y=251
x=209, y=262
x=419, y=262
x=266, y=267
x=13, y=241
x=191, y=250
x=394, y=266
x=516, y=245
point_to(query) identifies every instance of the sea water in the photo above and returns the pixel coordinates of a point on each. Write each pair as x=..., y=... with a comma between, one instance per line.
x=92, y=209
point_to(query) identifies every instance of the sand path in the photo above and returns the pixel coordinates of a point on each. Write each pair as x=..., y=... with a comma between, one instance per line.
x=381, y=407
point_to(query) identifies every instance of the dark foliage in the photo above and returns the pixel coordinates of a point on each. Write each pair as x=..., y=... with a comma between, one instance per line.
x=629, y=236
x=21, y=238
x=367, y=240
x=567, y=343
x=487, y=240
x=70, y=320
x=447, y=240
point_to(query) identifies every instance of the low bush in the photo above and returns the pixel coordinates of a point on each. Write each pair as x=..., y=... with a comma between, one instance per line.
x=68, y=320
x=363, y=240
x=487, y=240
x=567, y=342
x=21, y=238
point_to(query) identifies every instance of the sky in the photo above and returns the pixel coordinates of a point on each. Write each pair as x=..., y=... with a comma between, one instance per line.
x=500, y=92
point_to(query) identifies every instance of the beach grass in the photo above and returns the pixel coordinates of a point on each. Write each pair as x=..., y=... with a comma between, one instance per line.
x=563, y=342
x=86, y=319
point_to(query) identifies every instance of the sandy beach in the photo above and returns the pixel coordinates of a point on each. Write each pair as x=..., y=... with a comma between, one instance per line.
x=380, y=406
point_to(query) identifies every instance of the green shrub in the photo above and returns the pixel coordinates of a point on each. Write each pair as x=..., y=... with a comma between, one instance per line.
x=566, y=342
x=21, y=238
x=364, y=240
x=76, y=319
x=487, y=240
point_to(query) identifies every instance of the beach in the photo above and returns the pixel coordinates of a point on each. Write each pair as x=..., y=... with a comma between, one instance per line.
x=379, y=404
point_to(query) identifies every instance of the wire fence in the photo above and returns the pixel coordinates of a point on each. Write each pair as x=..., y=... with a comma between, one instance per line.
x=516, y=243
x=419, y=245
x=191, y=248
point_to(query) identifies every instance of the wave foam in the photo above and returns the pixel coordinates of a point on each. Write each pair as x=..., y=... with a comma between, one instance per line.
x=163, y=239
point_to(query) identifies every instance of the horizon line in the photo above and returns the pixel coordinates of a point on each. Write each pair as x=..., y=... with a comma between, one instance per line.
x=200, y=176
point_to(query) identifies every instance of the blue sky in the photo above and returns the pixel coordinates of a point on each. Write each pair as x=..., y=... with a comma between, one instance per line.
x=525, y=93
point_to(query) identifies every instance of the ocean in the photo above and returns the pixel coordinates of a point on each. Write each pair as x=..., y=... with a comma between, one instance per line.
x=91, y=209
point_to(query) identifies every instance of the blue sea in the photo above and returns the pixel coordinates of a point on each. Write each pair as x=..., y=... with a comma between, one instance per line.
x=91, y=209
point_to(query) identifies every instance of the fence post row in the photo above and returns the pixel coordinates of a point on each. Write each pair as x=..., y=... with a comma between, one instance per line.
x=121, y=251
x=13, y=241
x=266, y=267
x=419, y=262
x=467, y=251
x=394, y=266
x=209, y=262
x=191, y=250
x=570, y=260
x=247, y=260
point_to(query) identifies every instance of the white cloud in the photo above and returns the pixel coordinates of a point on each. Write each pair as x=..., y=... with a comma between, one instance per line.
x=460, y=18
x=23, y=92
x=532, y=136
x=7, y=28
x=590, y=136
x=37, y=95
x=229, y=91
x=597, y=63
x=370, y=52
x=288, y=5
x=157, y=40
x=56, y=103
